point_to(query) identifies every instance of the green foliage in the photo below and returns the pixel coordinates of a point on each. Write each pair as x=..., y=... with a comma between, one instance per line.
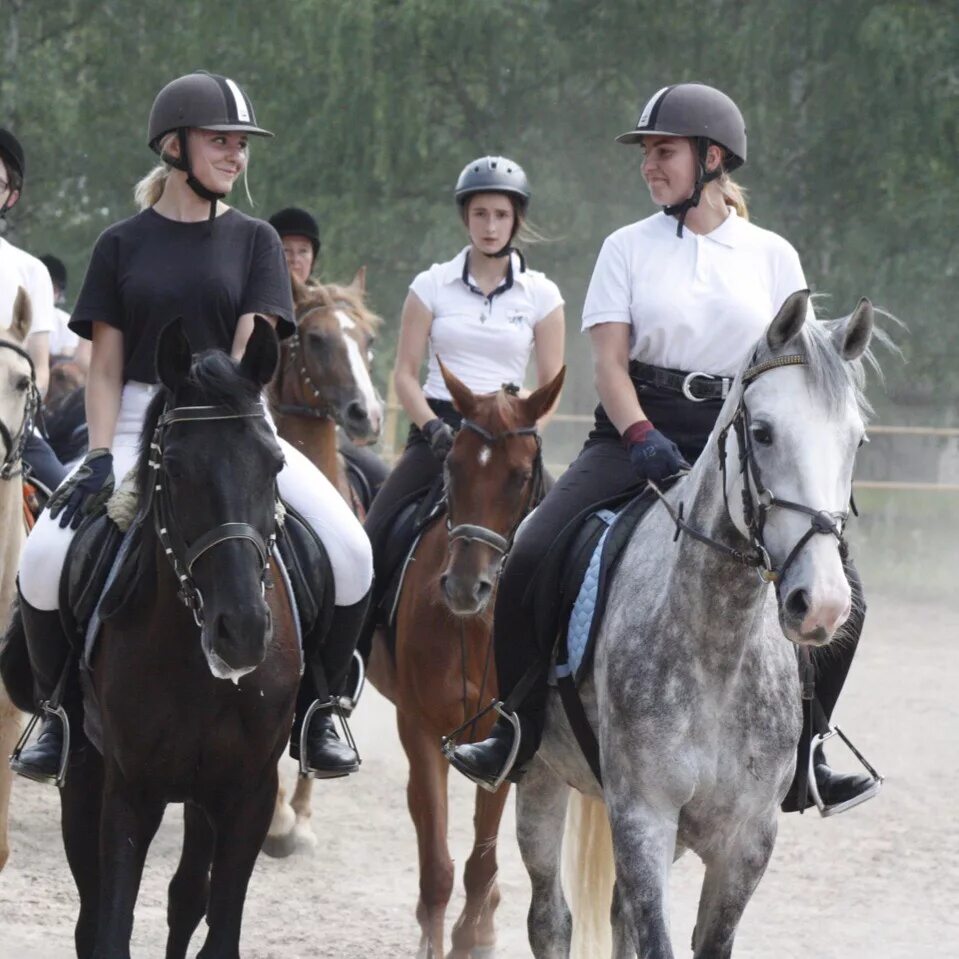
x=377, y=104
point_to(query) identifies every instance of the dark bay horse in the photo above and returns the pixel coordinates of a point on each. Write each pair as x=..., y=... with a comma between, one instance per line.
x=196, y=702
x=443, y=667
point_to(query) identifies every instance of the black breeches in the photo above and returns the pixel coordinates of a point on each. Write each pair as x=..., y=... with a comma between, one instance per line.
x=43, y=462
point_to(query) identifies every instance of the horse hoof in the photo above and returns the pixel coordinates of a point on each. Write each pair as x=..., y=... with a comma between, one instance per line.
x=280, y=847
x=483, y=952
x=305, y=837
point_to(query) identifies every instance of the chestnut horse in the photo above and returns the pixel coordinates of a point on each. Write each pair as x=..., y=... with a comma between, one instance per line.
x=323, y=381
x=443, y=669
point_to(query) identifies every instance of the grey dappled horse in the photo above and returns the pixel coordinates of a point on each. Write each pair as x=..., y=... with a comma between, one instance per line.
x=695, y=695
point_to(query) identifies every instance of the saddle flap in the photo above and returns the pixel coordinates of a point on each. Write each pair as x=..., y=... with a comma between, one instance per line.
x=308, y=567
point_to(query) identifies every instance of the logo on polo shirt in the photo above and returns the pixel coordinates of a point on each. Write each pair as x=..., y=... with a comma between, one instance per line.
x=517, y=317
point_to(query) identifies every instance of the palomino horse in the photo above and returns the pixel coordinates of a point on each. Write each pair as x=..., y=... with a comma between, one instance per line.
x=694, y=694
x=196, y=674
x=323, y=381
x=443, y=668
x=18, y=403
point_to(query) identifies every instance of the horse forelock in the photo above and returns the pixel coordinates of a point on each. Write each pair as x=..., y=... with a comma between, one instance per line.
x=332, y=296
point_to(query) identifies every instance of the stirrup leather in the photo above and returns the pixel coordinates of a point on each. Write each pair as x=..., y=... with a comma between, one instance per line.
x=333, y=704
x=866, y=794
x=46, y=709
x=348, y=701
x=448, y=746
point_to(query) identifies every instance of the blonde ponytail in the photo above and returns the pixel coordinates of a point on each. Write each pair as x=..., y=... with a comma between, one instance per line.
x=150, y=188
x=733, y=195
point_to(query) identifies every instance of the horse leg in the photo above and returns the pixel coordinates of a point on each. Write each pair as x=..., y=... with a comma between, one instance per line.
x=541, y=800
x=280, y=841
x=240, y=829
x=733, y=872
x=302, y=803
x=622, y=940
x=428, y=805
x=80, y=802
x=474, y=935
x=190, y=886
x=128, y=824
x=644, y=842
x=9, y=733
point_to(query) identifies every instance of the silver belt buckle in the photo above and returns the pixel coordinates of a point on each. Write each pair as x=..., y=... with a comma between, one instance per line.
x=687, y=392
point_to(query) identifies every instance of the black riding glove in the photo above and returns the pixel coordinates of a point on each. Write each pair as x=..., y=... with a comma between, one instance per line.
x=439, y=436
x=81, y=494
x=653, y=455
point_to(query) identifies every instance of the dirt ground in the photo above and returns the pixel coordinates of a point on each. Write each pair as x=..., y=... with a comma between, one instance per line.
x=881, y=881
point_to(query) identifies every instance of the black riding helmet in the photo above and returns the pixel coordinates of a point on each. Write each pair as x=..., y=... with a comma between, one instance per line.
x=493, y=174
x=705, y=115
x=11, y=152
x=207, y=101
x=293, y=221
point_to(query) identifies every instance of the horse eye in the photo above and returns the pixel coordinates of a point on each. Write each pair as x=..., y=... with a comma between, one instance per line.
x=23, y=384
x=863, y=441
x=762, y=434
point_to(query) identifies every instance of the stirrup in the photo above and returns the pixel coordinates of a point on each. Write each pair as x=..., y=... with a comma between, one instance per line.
x=867, y=793
x=333, y=704
x=448, y=746
x=46, y=708
x=350, y=700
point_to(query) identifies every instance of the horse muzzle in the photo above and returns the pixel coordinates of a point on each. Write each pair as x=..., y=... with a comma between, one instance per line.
x=466, y=595
x=235, y=642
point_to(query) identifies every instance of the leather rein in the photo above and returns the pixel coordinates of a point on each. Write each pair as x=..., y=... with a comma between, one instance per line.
x=14, y=443
x=183, y=555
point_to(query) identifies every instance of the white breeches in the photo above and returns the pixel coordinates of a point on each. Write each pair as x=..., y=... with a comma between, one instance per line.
x=300, y=483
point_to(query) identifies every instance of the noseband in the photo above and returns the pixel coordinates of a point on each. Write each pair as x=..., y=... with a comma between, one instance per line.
x=14, y=443
x=482, y=534
x=757, y=498
x=297, y=362
x=183, y=556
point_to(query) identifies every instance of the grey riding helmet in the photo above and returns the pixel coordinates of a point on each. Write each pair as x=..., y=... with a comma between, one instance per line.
x=491, y=174
x=202, y=100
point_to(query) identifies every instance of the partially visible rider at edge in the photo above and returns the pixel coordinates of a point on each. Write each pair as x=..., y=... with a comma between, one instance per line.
x=482, y=313
x=19, y=269
x=300, y=235
x=64, y=343
x=688, y=289
x=187, y=254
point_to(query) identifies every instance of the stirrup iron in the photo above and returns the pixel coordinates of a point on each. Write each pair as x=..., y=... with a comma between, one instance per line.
x=448, y=745
x=348, y=701
x=866, y=794
x=48, y=709
x=333, y=704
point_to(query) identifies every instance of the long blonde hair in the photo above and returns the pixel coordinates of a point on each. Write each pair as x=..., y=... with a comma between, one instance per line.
x=150, y=188
x=733, y=195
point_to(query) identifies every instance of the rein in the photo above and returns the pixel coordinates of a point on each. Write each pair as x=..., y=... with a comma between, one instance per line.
x=183, y=556
x=14, y=443
x=757, y=506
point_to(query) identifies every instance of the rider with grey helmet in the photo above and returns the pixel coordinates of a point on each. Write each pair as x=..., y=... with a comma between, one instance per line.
x=483, y=313
x=185, y=254
x=689, y=289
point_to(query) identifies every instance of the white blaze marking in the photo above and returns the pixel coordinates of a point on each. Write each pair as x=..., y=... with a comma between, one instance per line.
x=361, y=375
x=484, y=456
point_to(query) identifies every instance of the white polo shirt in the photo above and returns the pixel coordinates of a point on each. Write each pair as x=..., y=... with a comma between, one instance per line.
x=484, y=341
x=695, y=303
x=18, y=268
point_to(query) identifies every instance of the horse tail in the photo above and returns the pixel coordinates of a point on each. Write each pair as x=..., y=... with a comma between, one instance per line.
x=588, y=875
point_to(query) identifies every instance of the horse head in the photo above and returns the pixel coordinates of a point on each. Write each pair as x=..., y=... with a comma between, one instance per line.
x=18, y=391
x=788, y=456
x=212, y=459
x=325, y=368
x=494, y=475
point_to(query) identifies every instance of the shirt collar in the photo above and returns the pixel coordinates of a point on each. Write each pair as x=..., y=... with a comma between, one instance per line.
x=727, y=234
x=455, y=270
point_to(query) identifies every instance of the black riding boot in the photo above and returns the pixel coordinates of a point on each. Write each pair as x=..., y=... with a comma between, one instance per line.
x=50, y=657
x=329, y=659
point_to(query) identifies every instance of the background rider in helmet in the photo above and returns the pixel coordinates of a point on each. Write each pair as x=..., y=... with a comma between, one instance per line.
x=691, y=288
x=300, y=235
x=484, y=313
x=19, y=269
x=184, y=254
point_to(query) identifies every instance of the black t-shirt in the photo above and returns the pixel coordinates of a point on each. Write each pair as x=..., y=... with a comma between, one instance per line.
x=148, y=270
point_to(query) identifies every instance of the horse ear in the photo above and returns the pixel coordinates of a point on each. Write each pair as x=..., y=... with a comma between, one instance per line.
x=853, y=335
x=22, y=315
x=358, y=282
x=541, y=401
x=463, y=398
x=174, y=355
x=789, y=320
x=261, y=354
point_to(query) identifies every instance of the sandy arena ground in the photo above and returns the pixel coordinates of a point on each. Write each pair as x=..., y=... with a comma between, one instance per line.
x=881, y=881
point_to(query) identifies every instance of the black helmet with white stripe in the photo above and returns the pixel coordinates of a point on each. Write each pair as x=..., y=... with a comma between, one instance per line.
x=492, y=174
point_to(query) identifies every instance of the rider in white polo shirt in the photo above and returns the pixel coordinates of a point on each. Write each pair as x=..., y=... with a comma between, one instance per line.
x=674, y=303
x=483, y=313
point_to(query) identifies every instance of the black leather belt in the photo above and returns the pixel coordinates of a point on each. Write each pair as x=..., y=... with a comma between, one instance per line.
x=697, y=387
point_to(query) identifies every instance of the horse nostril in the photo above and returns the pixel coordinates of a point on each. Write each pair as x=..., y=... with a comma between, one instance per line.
x=482, y=590
x=355, y=411
x=797, y=604
x=444, y=579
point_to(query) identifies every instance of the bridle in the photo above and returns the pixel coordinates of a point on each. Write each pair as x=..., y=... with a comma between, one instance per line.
x=14, y=443
x=183, y=556
x=757, y=498
x=297, y=362
x=471, y=532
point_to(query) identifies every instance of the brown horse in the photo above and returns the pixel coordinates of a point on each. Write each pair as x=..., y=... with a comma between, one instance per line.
x=323, y=381
x=443, y=669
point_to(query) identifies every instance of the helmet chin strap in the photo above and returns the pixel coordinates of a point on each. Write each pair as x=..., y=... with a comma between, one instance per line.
x=183, y=163
x=702, y=178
